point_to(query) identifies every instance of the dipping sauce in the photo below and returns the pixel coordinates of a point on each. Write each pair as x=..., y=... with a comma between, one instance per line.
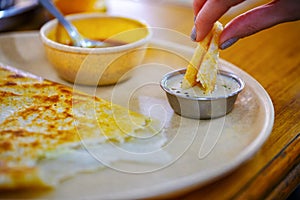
x=225, y=86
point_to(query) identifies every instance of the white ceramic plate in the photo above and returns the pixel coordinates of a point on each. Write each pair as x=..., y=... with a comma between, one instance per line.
x=201, y=150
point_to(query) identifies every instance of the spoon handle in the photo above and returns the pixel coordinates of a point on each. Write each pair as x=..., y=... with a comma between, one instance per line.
x=75, y=36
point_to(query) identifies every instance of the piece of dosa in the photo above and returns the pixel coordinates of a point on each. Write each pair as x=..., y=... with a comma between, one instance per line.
x=42, y=120
x=202, y=69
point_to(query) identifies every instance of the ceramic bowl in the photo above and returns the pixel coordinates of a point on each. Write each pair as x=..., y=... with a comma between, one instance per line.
x=96, y=66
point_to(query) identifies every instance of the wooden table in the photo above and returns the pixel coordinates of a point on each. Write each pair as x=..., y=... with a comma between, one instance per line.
x=272, y=57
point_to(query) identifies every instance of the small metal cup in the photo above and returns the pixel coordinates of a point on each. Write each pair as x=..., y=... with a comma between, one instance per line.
x=201, y=107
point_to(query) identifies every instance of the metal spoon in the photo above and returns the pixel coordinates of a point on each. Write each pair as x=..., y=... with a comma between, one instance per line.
x=77, y=39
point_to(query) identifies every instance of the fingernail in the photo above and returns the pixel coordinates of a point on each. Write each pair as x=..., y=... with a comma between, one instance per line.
x=194, y=34
x=228, y=43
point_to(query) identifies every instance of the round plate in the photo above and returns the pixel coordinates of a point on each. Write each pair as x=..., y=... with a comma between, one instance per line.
x=201, y=150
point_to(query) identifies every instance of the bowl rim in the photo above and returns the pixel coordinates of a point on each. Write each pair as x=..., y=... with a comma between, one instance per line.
x=207, y=98
x=52, y=23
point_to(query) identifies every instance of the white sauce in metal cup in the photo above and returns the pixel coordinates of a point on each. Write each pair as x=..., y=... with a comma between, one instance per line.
x=224, y=86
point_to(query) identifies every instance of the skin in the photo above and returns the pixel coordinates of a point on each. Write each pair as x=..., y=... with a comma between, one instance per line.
x=246, y=24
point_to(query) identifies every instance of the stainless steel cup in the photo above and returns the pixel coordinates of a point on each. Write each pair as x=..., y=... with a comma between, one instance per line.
x=201, y=107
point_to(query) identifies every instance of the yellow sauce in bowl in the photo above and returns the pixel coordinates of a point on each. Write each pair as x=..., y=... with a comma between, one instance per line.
x=119, y=29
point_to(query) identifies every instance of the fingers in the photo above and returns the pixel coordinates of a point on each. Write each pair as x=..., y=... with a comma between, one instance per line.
x=258, y=19
x=197, y=5
x=207, y=12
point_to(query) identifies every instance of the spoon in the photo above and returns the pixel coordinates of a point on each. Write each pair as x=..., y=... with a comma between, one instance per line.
x=77, y=39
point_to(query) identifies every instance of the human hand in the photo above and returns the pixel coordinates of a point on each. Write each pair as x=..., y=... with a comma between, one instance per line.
x=207, y=12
